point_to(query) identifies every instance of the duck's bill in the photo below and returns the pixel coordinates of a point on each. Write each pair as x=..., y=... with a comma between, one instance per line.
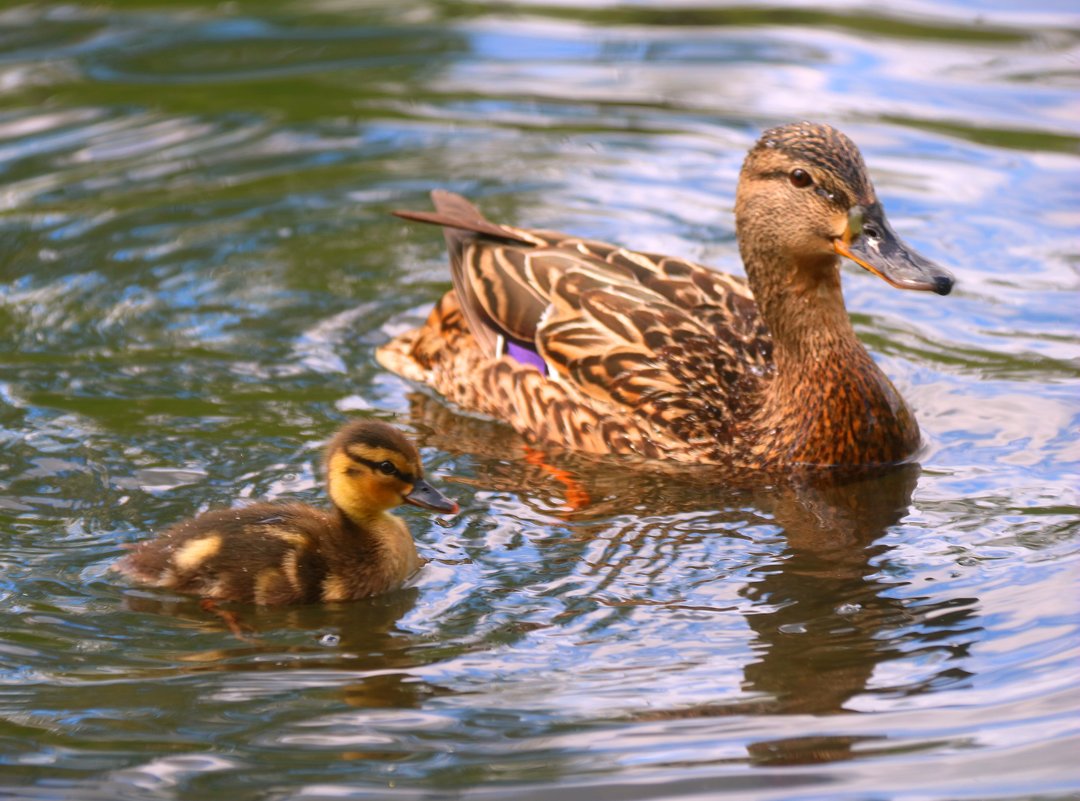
x=870, y=242
x=427, y=497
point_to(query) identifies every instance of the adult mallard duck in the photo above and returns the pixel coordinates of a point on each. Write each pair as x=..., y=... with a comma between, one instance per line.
x=607, y=350
x=292, y=553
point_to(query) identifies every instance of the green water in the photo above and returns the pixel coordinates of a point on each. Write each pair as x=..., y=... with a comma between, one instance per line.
x=197, y=263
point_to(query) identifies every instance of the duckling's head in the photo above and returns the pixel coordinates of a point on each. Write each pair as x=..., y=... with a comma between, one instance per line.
x=372, y=467
x=804, y=198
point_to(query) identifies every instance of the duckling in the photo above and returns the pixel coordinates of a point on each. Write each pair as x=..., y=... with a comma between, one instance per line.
x=292, y=553
x=605, y=350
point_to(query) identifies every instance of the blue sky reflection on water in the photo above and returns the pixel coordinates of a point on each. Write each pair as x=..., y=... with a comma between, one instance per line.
x=197, y=261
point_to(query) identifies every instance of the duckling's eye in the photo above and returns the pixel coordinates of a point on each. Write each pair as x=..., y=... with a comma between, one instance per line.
x=800, y=179
x=387, y=468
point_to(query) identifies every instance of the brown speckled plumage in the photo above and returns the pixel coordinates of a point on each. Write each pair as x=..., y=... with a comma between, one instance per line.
x=829, y=149
x=292, y=553
x=659, y=357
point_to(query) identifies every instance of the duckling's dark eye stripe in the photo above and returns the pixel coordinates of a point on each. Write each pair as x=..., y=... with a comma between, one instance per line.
x=376, y=466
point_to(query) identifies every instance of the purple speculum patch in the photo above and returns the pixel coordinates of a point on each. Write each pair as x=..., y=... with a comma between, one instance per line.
x=520, y=353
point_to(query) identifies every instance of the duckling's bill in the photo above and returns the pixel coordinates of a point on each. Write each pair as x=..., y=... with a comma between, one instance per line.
x=427, y=497
x=869, y=241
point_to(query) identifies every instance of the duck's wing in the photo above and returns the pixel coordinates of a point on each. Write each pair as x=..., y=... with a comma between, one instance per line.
x=495, y=297
x=660, y=335
x=262, y=553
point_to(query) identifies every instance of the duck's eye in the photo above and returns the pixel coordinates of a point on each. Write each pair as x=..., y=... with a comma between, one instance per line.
x=387, y=467
x=800, y=179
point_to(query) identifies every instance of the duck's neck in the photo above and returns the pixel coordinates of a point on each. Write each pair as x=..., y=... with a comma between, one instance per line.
x=383, y=536
x=351, y=526
x=829, y=403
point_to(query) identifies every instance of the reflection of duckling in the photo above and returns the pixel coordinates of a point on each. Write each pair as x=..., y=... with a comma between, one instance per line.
x=293, y=553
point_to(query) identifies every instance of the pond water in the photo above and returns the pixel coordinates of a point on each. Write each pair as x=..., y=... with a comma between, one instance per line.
x=197, y=263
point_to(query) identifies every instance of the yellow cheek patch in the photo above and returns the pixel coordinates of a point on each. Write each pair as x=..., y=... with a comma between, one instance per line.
x=194, y=553
x=361, y=491
x=343, y=486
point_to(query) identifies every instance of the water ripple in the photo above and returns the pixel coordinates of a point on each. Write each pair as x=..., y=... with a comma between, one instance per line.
x=196, y=263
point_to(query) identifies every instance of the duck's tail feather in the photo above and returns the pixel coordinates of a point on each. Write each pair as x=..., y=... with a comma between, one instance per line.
x=462, y=223
x=461, y=217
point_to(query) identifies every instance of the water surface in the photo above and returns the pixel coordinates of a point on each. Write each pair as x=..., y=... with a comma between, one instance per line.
x=197, y=263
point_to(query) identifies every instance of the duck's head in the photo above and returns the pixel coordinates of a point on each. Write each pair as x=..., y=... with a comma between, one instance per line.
x=372, y=467
x=805, y=197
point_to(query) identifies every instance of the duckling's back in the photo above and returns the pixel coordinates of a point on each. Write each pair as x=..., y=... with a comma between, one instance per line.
x=264, y=554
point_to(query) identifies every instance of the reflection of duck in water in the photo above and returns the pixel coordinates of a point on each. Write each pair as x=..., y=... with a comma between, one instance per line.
x=824, y=616
x=827, y=617
x=359, y=647
x=603, y=350
x=818, y=612
x=292, y=553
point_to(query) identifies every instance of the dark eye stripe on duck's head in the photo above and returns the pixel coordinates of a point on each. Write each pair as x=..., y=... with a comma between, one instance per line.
x=381, y=461
x=378, y=442
x=827, y=149
x=386, y=467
